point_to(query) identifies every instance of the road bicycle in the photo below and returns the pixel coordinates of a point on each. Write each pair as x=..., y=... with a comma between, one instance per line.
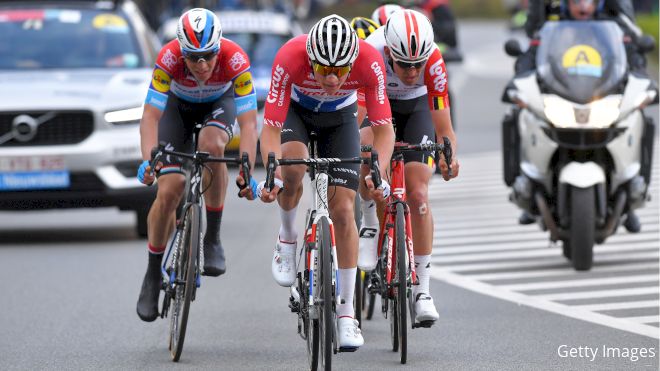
x=184, y=261
x=394, y=275
x=315, y=293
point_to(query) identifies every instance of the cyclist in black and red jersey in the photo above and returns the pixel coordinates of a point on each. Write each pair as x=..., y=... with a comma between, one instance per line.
x=417, y=89
x=313, y=88
x=201, y=78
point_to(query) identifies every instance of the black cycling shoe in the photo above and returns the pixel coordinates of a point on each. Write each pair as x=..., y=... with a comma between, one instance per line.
x=214, y=259
x=632, y=223
x=147, y=305
x=526, y=218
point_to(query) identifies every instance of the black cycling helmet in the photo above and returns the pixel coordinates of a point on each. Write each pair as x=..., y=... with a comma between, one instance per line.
x=363, y=26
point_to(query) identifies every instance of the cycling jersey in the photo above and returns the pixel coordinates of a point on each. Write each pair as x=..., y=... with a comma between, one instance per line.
x=292, y=77
x=171, y=76
x=432, y=82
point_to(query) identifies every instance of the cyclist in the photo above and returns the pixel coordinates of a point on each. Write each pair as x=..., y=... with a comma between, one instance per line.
x=313, y=88
x=417, y=88
x=383, y=12
x=203, y=78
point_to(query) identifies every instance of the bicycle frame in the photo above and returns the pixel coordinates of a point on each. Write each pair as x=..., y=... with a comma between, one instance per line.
x=397, y=195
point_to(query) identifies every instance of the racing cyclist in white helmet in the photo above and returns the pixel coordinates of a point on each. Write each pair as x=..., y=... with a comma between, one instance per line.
x=313, y=88
x=417, y=89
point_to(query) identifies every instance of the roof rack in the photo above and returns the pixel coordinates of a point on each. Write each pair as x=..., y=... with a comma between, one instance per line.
x=115, y=3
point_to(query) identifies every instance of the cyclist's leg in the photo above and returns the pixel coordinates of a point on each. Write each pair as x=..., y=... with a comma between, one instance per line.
x=369, y=226
x=161, y=219
x=294, y=145
x=343, y=141
x=214, y=136
x=419, y=169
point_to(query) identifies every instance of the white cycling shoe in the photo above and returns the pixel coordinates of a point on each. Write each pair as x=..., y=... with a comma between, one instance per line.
x=350, y=335
x=367, y=251
x=425, y=309
x=283, y=265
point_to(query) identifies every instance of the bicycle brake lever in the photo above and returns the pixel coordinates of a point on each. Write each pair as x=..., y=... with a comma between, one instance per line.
x=245, y=173
x=375, y=172
x=448, y=153
x=270, y=172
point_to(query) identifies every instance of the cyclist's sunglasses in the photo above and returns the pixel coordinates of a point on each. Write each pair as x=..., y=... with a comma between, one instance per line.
x=198, y=57
x=407, y=65
x=327, y=70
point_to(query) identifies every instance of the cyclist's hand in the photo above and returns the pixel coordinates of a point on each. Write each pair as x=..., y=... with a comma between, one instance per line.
x=266, y=196
x=145, y=174
x=444, y=170
x=379, y=194
x=248, y=192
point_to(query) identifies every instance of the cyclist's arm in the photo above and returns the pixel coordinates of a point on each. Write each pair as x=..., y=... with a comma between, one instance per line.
x=245, y=99
x=277, y=105
x=378, y=111
x=149, y=130
x=362, y=107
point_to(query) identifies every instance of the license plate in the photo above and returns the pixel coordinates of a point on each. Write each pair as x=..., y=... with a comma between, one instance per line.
x=33, y=172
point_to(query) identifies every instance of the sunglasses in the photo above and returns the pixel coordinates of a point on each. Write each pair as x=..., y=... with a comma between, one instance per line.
x=327, y=70
x=408, y=65
x=198, y=57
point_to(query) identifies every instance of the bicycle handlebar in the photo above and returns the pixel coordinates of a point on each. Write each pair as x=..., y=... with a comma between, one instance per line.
x=444, y=147
x=202, y=158
x=273, y=163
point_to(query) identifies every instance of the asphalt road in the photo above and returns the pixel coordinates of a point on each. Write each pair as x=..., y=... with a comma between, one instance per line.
x=70, y=280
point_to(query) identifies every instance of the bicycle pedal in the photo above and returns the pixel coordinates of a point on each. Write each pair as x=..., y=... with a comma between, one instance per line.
x=424, y=324
x=348, y=349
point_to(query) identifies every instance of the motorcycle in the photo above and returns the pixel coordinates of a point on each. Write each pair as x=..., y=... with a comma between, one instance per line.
x=577, y=146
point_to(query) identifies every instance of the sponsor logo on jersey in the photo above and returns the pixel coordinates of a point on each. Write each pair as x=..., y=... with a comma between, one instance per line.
x=237, y=61
x=243, y=84
x=381, y=82
x=160, y=81
x=169, y=59
x=439, y=76
x=275, y=91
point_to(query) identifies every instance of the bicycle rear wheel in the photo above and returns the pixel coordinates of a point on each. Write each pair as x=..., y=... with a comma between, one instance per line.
x=311, y=328
x=326, y=295
x=186, y=269
x=401, y=277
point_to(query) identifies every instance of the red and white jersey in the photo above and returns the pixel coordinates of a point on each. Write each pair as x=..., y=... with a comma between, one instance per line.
x=172, y=76
x=432, y=82
x=292, y=77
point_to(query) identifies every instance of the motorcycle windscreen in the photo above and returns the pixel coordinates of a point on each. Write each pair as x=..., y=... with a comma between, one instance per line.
x=581, y=60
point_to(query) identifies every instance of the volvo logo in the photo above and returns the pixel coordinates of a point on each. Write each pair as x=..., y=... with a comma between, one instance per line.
x=24, y=127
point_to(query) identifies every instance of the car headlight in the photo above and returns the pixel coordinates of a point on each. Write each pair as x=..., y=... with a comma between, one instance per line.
x=598, y=114
x=125, y=116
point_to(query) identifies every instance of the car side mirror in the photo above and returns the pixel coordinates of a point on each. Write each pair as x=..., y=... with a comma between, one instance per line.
x=512, y=48
x=646, y=44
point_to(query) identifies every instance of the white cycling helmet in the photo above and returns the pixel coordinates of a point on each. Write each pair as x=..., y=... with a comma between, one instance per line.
x=332, y=42
x=409, y=36
x=199, y=31
x=383, y=12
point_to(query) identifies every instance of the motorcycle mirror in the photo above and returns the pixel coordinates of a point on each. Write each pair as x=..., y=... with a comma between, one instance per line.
x=646, y=44
x=512, y=48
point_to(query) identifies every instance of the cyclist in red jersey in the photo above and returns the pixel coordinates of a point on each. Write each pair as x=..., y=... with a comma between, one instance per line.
x=313, y=88
x=417, y=89
x=201, y=78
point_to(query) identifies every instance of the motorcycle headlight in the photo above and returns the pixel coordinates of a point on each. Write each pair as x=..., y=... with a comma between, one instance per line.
x=598, y=114
x=125, y=116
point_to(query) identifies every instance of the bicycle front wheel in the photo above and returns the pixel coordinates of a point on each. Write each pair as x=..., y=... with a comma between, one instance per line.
x=401, y=282
x=326, y=296
x=186, y=269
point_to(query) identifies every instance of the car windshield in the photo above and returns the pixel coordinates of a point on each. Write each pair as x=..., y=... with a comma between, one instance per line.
x=48, y=38
x=260, y=47
x=581, y=60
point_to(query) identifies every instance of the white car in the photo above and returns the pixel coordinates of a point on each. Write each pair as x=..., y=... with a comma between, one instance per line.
x=260, y=34
x=74, y=75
